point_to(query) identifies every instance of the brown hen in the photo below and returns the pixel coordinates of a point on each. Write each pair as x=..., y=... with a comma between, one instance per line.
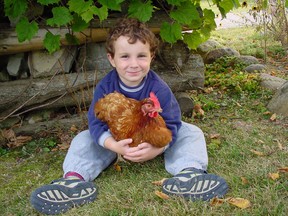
x=129, y=118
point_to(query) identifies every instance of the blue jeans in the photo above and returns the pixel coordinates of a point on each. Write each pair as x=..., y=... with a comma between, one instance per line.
x=90, y=159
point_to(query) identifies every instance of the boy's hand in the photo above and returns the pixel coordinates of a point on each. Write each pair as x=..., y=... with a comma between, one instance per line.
x=143, y=152
x=120, y=147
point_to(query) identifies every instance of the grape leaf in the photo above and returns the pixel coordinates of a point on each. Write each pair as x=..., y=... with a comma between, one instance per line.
x=209, y=19
x=61, y=16
x=14, y=8
x=175, y=2
x=26, y=30
x=185, y=13
x=194, y=39
x=113, y=5
x=102, y=13
x=142, y=11
x=79, y=6
x=78, y=23
x=71, y=39
x=51, y=42
x=47, y=2
x=171, y=33
x=226, y=5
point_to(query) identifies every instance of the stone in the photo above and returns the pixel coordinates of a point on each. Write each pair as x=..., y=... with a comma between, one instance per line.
x=43, y=64
x=186, y=103
x=14, y=64
x=93, y=57
x=247, y=60
x=208, y=46
x=255, y=68
x=279, y=102
x=271, y=82
x=215, y=54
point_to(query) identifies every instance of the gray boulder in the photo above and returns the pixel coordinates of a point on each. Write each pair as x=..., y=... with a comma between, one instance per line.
x=213, y=55
x=279, y=102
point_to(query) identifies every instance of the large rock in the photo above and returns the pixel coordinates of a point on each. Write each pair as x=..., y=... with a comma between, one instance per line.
x=93, y=57
x=215, y=54
x=279, y=102
x=255, y=68
x=16, y=65
x=271, y=82
x=43, y=64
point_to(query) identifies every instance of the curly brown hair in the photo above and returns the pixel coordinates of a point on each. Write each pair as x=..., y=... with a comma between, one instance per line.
x=134, y=30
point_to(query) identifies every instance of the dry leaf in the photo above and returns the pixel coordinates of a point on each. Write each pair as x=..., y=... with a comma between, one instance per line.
x=280, y=146
x=214, y=136
x=283, y=169
x=239, y=202
x=63, y=146
x=117, y=167
x=216, y=201
x=162, y=195
x=274, y=176
x=244, y=180
x=208, y=90
x=73, y=128
x=273, y=117
x=257, y=153
x=159, y=183
x=198, y=109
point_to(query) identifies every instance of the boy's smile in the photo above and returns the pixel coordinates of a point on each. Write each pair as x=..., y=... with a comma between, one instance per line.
x=132, y=61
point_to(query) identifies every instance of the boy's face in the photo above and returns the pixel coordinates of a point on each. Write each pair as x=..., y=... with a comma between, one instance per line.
x=132, y=61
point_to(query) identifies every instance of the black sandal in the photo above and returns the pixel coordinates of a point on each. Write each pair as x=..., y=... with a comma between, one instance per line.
x=62, y=194
x=195, y=184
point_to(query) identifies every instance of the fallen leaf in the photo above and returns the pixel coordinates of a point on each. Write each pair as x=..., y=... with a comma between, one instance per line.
x=216, y=201
x=117, y=167
x=215, y=136
x=244, y=180
x=274, y=176
x=63, y=146
x=162, y=195
x=239, y=202
x=273, y=117
x=260, y=142
x=283, y=169
x=208, y=90
x=73, y=128
x=280, y=146
x=199, y=110
x=258, y=153
x=159, y=183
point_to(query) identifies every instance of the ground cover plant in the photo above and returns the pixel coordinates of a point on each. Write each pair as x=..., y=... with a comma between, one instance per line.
x=247, y=145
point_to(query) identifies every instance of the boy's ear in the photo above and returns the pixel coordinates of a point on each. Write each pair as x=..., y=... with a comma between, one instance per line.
x=111, y=60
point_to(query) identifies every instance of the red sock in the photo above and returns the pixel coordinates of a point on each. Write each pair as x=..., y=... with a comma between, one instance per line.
x=74, y=174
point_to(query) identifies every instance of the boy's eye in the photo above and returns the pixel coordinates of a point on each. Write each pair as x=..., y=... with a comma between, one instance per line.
x=142, y=55
x=124, y=56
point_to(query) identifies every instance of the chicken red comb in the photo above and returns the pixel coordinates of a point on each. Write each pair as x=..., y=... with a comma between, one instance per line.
x=154, y=99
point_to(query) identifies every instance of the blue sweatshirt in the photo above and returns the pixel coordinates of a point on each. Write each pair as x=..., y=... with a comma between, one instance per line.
x=152, y=82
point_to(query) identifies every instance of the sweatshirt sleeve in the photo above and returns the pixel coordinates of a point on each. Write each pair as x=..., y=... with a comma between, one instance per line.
x=99, y=130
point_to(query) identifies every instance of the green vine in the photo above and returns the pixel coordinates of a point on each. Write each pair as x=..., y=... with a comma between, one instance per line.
x=77, y=14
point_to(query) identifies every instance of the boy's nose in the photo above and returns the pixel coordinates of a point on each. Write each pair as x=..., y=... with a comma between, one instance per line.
x=134, y=62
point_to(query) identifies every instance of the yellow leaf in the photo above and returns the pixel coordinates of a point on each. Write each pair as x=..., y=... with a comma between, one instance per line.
x=257, y=153
x=162, y=195
x=239, y=202
x=244, y=180
x=117, y=167
x=274, y=176
x=283, y=169
x=215, y=136
x=198, y=109
x=159, y=183
x=216, y=201
x=273, y=117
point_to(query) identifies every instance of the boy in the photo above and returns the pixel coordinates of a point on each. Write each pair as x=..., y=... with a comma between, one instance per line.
x=131, y=46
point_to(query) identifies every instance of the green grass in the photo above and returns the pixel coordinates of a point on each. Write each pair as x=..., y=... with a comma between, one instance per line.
x=237, y=112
